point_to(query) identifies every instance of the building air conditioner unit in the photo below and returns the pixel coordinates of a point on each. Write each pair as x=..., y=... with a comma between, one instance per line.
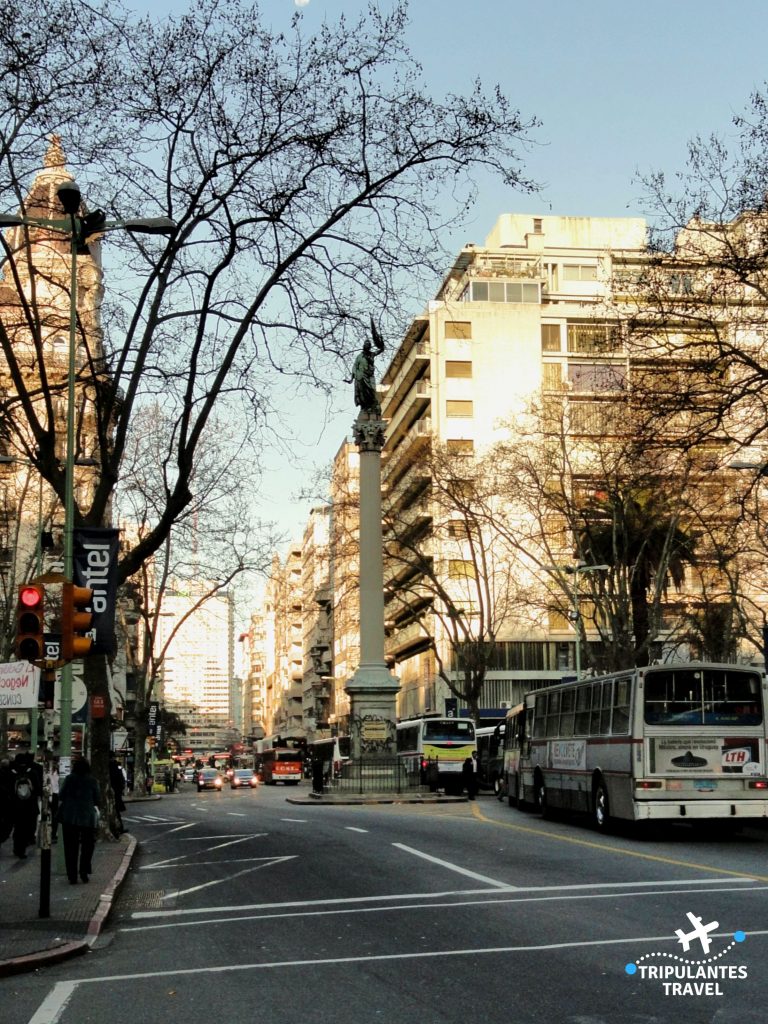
x=506, y=704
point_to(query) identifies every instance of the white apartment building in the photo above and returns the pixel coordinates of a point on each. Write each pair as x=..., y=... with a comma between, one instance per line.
x=198, y=666
x=516, y=316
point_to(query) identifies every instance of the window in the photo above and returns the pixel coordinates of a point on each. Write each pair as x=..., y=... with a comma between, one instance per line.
x=461, y=569
x=456, y=407
x=550, y=337
x=460, y=446
x=501, y=291
x=588, y=338
x=458, y=368
x=458, y=329
x=596, y=376
x=621, y=706
x=537, y=225
x=579, y=272
x=458, y=530
x=552, y=376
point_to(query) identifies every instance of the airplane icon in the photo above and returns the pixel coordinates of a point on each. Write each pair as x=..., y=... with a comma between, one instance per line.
x=700, y=932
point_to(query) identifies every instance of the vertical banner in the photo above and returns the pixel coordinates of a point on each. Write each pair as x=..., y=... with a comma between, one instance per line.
x=94, y=566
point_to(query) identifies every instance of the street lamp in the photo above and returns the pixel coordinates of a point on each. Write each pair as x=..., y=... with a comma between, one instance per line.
x=575, y=571
x=79, y=229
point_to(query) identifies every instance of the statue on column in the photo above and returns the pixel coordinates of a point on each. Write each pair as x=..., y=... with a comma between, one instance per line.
x=363, y=374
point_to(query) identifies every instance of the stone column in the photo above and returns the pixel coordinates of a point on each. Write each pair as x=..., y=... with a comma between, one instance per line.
x=372, y=689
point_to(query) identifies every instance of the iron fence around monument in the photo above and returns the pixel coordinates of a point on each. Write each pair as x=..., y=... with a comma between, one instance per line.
x=379, y=775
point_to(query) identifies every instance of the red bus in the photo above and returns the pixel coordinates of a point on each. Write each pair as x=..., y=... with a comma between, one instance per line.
x=279, y=764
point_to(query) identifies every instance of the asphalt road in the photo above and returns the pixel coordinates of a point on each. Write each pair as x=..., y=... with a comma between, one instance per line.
x=242, y=907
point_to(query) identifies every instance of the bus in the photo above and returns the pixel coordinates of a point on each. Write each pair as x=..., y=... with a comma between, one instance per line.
x=685, y=741
x=280, y=764
x=490, y=756
x=436, y=748
x=334, y=752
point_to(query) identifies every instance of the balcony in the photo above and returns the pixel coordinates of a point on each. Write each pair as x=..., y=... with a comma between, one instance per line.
x=402, y=640
x=400, y=459
x=414, y=405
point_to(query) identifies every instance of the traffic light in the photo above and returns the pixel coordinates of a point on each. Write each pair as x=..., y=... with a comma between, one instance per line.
x=76, y=620
x=30, y=626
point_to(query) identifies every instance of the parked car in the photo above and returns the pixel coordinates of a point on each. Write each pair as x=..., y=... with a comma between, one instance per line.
x=242, y=778
x=209, y=778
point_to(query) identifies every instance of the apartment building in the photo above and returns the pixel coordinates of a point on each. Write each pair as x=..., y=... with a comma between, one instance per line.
x=197, y=635
x=522, y=314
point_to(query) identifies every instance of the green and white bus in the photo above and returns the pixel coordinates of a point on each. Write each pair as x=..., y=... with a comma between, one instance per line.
x=668, y=742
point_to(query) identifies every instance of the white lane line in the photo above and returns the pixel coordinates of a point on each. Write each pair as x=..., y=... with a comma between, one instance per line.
x=442, y=894
x=639, y=940
x=221, y=846
x=205, y=863
x=294, y=819
x=492, y=901
x=55, y=1003
x=228, y=878
x=454, y=867
x=229, y=835
x=236, y=814
x=351, y=828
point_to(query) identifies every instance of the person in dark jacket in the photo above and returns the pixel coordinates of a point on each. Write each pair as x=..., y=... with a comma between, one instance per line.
x=7, y=780
x=79, y=800
x=28, y=791
x=117, y=782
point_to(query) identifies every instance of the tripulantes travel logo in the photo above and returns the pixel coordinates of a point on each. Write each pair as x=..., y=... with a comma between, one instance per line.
x=686, y=976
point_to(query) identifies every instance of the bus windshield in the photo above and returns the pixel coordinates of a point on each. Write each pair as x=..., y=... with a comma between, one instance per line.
x=703, y=697
x=287, y=755
x=447, y=730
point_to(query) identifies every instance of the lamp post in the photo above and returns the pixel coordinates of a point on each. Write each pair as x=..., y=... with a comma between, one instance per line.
x=79, y=229
x=575, y=571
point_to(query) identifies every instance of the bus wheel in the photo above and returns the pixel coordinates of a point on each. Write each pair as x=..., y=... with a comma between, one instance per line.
x=600, y=812
x=497, y=787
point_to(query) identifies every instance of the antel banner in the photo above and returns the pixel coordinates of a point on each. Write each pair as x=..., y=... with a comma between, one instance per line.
x=19, y=685
x=95, y=566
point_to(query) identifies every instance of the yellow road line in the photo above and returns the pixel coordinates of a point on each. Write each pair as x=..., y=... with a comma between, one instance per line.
x=616, y=849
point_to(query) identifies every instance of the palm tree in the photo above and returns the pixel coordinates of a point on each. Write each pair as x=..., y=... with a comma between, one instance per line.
x=637, y=533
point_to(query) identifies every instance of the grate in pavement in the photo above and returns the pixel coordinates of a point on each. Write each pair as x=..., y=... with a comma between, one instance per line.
x=150, y=899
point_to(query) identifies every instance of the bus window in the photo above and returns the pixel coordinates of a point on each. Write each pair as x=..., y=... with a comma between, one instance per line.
x=567, y=703
x=583, y=703
x=621, y=707
x=606, y=703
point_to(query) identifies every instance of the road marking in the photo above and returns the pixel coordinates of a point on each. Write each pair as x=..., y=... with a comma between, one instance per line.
x=613, y=849
x=351, y=828
x=454, y=867
x=221, y=846
x=56, y=1001
x=492, y=900
x=236, y=814
x=443, y=894
x=229, y=835
x=227, y=878
x=294, y=819
x=205, y=863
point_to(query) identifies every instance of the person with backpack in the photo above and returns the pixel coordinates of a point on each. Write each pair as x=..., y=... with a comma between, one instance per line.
x=7, y=782
x=79, y=800
x=27, y=792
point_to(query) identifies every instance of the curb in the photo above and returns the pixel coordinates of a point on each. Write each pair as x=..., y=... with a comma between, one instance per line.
x=32, y=961
x=317, y=800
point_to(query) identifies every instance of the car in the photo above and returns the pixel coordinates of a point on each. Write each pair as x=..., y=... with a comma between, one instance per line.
x=209, y=778
x=190, y=774
x=243, y=777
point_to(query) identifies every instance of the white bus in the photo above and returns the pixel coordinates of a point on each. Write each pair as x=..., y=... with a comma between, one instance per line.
x=436, y=748
x=681, y=741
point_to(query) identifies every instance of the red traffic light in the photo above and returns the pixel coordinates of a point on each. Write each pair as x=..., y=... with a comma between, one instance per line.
x=31, y=596
x=30, y=626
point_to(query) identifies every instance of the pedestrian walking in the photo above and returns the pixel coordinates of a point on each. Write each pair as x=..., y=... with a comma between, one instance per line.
x=117, y=782
x=7, y=780
x=25, y=807
x=79, y=800
x=53, y=780
x=469, y=772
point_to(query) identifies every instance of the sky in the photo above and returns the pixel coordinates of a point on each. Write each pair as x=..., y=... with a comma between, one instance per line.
x=619, y=88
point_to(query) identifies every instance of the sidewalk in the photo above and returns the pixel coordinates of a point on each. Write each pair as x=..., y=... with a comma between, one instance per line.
x=77, y=912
